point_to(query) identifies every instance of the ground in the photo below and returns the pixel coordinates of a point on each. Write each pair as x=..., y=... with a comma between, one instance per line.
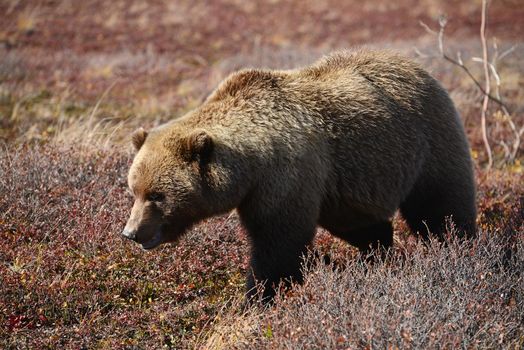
x=77, y=77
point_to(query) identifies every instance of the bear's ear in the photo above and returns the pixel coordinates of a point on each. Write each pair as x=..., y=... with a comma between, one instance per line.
x=138, y=138
x=198, y=145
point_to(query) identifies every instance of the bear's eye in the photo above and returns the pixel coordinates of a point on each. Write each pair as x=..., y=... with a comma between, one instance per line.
x=155, y=197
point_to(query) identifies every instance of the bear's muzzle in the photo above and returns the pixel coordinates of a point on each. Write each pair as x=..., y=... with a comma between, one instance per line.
x=129, y=234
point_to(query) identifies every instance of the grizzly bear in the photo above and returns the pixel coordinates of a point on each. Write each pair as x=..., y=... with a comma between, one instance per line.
x=341, y=144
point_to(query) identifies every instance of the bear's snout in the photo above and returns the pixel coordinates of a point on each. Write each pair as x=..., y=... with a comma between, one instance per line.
x=129, y=234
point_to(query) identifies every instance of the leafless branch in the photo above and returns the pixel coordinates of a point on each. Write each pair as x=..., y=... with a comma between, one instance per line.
x=507, y=116
x=507, y=52
x=487, y=84
x=489, y=93
x=506, y=149
x=458, y=62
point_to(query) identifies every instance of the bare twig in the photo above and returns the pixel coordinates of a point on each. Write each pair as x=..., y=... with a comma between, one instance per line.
x=490, y=69
x=507, y=116
x=505, y=147
x=507, y=52
x=458, y=62
x=487, y=85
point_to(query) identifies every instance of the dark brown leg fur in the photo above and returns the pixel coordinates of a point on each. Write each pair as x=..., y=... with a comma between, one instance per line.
x=426, y=211
x=370, y=237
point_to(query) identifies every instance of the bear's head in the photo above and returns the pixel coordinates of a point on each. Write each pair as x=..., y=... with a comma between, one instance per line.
x=177, y=180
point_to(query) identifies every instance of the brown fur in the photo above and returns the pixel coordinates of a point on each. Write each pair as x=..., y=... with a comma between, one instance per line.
x=342, y=144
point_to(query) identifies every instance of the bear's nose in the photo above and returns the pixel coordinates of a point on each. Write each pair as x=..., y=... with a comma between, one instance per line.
x=129, y=234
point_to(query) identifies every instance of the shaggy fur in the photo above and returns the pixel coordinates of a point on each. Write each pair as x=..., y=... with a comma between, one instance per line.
x=341, y=144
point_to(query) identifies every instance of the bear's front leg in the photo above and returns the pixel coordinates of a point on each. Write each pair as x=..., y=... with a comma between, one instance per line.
x=276, y=257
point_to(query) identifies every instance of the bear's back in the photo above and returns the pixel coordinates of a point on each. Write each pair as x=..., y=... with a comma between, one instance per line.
x=369, y=78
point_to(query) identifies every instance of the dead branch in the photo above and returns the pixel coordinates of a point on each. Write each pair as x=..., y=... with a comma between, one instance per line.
x=487, y=84
x=489, y=94
x=458, y=62
x=518, y=133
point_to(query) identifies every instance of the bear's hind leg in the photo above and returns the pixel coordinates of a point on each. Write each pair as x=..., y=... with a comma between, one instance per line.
x=426, y=210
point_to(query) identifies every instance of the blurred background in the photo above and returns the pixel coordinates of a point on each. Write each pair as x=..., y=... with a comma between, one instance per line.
x=152, y=60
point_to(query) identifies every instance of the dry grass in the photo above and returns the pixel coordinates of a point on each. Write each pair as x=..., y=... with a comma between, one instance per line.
x=457, y=295
x=69, y=279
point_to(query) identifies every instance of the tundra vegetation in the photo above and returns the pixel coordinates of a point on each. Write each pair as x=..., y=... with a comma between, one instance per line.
x=77, y=78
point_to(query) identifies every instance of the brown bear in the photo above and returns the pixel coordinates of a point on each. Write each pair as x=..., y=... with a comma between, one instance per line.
x=341, y=144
